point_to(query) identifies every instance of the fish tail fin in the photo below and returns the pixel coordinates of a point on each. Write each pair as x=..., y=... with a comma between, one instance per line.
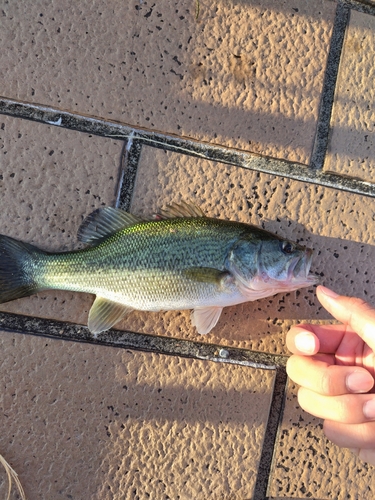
x=17, y=269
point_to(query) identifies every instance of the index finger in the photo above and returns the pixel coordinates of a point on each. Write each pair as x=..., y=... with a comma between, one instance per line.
x=354, y=313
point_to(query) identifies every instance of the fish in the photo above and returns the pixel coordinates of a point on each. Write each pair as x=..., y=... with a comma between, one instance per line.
x=177, y=259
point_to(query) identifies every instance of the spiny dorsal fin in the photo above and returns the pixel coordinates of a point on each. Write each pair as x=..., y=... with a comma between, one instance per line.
x=104, y=222
x=182, y=209
x=104, y=313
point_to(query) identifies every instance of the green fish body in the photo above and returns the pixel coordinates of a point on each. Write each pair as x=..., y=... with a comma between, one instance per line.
x=180, y=260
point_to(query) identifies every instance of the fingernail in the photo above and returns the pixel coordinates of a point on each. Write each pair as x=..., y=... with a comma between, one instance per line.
x=328, y=292
x=369, y=409
x=305, y=342
x=359, y=382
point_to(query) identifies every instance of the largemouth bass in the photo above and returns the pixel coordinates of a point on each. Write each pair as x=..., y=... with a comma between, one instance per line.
x=179, y=259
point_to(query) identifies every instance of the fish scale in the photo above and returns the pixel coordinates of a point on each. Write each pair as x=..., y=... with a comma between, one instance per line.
x=144, y=265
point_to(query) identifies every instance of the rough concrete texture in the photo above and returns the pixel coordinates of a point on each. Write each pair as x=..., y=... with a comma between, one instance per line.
x=113, y=424
x=50, y=179
x=321, y=218
x=82, y=421
x=307, y=465
x=352, y=144
x=242, y=74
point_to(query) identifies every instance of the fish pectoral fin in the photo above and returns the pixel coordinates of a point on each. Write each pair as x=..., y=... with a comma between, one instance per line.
x=205, y=318
x=104, y=314
x=207, y=275
x=104, y=222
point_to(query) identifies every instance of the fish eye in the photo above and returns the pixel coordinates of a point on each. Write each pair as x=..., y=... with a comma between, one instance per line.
x=287, y=247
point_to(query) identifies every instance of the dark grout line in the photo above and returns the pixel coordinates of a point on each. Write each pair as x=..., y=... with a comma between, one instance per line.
x=59, y=330
x=243, y=159
x=365, y=6
x=329, y=85
x=264, y=475
x=130, y=157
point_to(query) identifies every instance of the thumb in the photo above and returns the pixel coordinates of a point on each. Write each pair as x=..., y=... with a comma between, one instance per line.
x=357, y=314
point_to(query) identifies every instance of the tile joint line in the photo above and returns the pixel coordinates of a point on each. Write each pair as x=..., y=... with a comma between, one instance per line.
x=329, y=86
x=236, y=158
x=58, y=330
x=365, y=6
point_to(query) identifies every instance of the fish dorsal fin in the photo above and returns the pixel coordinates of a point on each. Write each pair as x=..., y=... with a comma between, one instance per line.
x=205, y=318
x=104, y=222
x=177, y=210
x=104, y=313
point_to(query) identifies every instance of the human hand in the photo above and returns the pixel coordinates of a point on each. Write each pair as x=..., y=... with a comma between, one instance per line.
x=335, y=367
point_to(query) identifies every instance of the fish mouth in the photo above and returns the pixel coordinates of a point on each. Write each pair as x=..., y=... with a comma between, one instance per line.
x=300, y=267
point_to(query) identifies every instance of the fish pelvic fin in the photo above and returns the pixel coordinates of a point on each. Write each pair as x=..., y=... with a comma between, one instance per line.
x=104, y=314
x=205, y=318
x=17, y=269
x=104, y=222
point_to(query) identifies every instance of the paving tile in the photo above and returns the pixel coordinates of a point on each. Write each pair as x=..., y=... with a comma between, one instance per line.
x=307, y=465
x=50, y=179
x=83, y=421
x=242, y=74
x=336, y=224
x=352, y=143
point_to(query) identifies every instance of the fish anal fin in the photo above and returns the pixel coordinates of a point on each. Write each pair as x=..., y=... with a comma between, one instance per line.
x=182, y=209
x=205, y=318
x=104, y=222
x=104, y=314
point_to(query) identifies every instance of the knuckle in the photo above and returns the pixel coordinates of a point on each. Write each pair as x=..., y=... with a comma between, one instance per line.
x=342, y=410
x=327, y=383
x=356, y=302
x=356, y=305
